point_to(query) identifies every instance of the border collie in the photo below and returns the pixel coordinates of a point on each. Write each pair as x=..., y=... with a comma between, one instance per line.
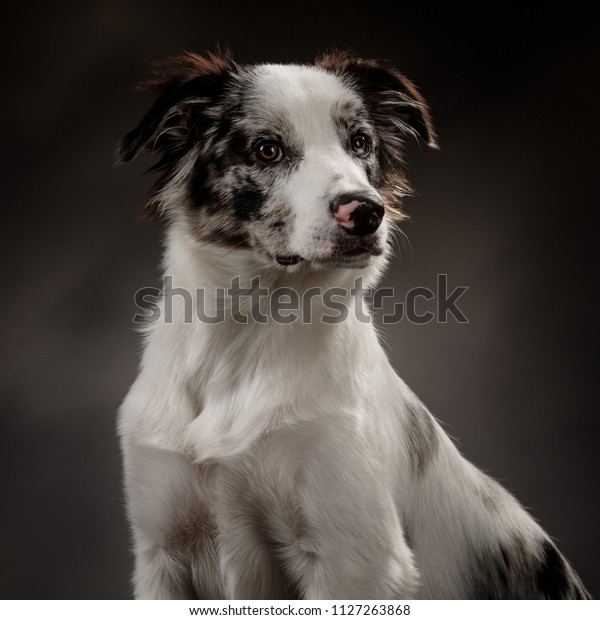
x=266, y=459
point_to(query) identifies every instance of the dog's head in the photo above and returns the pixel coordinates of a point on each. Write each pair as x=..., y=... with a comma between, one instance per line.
x=301, y=163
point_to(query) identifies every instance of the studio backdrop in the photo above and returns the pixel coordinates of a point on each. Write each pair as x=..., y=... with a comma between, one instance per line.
x=506, y=209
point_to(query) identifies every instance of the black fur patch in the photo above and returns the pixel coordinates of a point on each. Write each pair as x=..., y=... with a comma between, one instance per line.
x=517, y=571
x=552, y=578
x=555, y=580
x=248, y=201
x=200, y=190
x=502, y=573
x=224, y=125
x=237, y=147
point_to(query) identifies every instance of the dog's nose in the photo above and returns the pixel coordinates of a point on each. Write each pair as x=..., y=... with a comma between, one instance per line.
x=358, y=214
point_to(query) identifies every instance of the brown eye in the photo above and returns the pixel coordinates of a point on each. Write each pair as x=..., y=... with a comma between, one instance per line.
x=269, y=152
x=360, y=144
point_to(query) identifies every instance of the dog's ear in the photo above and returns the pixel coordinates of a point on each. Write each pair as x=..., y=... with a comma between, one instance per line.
x=397, y=110
x=390, y=96
x=186, y=84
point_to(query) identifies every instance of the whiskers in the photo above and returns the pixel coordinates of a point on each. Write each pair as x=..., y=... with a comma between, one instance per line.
x=399, y=242
x=227, y=252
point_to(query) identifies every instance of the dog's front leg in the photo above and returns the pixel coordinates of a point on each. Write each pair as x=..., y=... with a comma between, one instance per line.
x=358, y=554
x=173, y=529
x=347, y=540
x=161, y=574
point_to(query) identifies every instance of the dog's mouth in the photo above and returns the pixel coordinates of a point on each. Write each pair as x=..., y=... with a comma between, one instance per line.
x=292, y=259
x=339, y=255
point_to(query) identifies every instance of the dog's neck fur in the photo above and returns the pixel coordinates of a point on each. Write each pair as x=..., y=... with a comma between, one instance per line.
x=270, y=363
x=198, y=265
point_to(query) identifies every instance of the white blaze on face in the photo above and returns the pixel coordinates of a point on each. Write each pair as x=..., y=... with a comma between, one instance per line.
x=307, y=101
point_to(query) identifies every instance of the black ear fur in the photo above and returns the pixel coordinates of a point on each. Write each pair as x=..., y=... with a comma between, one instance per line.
x=170, y=125
x=390, y=96
x=393, y=95
x=186, y=85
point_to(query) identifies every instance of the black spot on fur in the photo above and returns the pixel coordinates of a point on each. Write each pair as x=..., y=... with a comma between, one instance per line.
x=497, y=573
x=237, y=147
x=200, y=191
x=224, y=125
x=514, y=570
x=552, y=578
x=248, y=201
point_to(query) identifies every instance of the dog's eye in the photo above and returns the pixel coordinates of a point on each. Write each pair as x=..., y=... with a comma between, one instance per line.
x=360, y=145
x=269, y=151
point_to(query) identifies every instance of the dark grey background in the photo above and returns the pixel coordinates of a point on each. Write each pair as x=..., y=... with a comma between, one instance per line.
x=509, y=207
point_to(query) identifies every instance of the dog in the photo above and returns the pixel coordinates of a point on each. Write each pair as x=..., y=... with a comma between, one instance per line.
x=266, y=459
